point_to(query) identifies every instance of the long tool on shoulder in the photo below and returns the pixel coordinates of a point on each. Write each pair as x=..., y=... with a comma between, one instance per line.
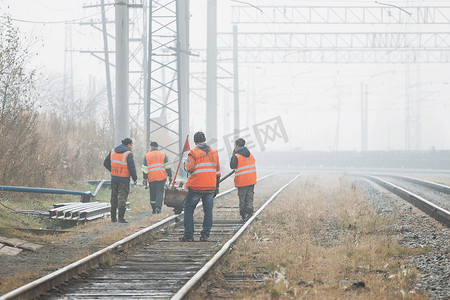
x=228, y=175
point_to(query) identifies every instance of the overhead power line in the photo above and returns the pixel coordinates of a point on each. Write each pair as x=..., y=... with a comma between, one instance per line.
x=391, y=5
x=54, y=22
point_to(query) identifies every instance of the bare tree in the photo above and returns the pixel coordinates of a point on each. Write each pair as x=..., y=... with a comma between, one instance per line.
x=16, y=83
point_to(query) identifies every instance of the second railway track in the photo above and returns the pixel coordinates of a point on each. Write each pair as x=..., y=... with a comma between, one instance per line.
x=432, y=198
x=157, y=268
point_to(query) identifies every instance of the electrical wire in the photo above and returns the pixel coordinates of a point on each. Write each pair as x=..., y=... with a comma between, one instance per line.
x=54, y=22
x=392, y=5
x=249, y=4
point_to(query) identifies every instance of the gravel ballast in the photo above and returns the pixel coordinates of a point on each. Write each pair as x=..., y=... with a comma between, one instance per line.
x=415, y=229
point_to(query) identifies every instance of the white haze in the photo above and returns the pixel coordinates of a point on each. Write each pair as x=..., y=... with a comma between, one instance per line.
x=306, y=96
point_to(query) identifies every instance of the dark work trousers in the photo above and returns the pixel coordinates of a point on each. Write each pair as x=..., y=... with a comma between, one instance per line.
x=119, y=195
x=156, y=194
x=192, y=199
x=245, y=194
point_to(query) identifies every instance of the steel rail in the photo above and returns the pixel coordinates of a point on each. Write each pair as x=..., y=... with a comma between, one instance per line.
x=434, y=185
x=61, y=210
x=43, y=284
x=423, y=204
x=207, y=267
x=39, y=286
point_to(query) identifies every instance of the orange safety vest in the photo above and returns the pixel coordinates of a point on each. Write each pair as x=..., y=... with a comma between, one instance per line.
x=245, y=172
x=119, y=166
x=155, y=165
x=207, y=167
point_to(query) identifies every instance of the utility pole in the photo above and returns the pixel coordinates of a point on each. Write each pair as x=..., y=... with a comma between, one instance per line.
x=147, y=75
x=236, y=80
x=122, y=129
x=68, y=65
x=183, y=70
x=338, y=122
x=407, y=110
x=211, y=70
x=107, y=69
x=364, y=117
x=147, y=70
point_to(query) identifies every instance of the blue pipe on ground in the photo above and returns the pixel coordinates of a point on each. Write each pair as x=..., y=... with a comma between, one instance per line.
x=40, y=190
x=85, y=196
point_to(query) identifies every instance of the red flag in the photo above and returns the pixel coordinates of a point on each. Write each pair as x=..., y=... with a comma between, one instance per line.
x=186, y=146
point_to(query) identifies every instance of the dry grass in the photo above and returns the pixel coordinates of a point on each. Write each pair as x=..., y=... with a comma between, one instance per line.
x=9, y=220
x=16, y=281
x=315, y=241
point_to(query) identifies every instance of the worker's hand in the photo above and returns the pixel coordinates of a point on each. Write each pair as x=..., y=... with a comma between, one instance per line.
x=170, y=179
x=135, y=182
x=216, y=192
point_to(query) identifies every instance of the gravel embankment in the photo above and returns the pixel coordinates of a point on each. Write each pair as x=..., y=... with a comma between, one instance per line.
x=414, y=229
x=440, y=199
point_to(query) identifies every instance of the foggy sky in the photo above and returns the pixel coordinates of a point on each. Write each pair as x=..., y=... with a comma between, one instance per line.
x=306, y=96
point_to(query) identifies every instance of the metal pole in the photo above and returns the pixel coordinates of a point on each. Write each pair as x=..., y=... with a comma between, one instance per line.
x=418, y=109
x=108, y=72
x=366, y=119
x=183, y=70
x=148, y=76
x=122, y=129
x=336, y=138
x=407, y=109
x=236, y=80
x=211, y=70
x=363, y=117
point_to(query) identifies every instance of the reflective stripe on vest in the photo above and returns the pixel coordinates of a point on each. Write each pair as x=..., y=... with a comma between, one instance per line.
x=199, y=168
x=205, y=172
x=119, y=165
x=245, y=173
x=155, y=166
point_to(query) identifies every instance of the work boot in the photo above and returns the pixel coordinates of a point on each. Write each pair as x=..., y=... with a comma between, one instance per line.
x=242, y=220
x=203, y=238
x=186, y=239
x=121, y=215
x=157, y=210
x=113, y=215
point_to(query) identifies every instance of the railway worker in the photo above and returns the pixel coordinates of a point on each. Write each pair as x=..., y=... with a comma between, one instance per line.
x=120, y=163
x=155, y=169
x=203, y=167
x=243, y=163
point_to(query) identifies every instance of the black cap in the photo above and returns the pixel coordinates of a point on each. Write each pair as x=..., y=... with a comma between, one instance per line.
x=154, y=144
x=127, y=141
x=199, y=137
x=240, y=142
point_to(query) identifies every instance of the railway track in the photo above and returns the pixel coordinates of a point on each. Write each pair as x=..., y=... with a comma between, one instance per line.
x=430, y=197
x=154, y=269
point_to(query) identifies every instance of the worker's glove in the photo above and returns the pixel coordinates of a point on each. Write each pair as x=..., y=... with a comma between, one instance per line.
x=170, y=179
x=216, y=192
x=144, y=183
